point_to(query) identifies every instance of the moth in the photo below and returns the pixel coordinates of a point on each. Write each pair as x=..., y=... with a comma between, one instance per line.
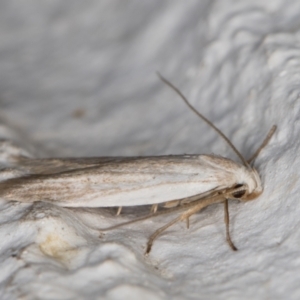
x=185, y=183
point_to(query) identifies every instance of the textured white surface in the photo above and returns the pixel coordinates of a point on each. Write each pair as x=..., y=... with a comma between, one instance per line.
x=78, y=79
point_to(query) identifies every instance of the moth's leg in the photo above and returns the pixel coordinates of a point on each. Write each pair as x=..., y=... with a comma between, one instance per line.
x=184, y=216
x=187, y=222
x=158, y=232
x=119, y=210
x=159, y=213
x=197, y=206
x=172, y=203
x=226, y=219
x=154, y=208
x=264, y=143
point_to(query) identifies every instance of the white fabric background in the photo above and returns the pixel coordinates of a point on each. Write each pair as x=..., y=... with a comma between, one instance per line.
x=77, y=78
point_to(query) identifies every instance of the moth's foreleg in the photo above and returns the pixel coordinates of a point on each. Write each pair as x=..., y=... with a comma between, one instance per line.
x=226, y=219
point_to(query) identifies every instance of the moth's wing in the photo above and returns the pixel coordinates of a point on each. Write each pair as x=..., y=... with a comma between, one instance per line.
x=29, y=166
x=117, y=181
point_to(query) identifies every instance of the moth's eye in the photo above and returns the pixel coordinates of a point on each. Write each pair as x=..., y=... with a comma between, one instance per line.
x=239, y=194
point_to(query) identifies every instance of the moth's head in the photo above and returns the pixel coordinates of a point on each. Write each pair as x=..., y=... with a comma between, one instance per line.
x=250, y=189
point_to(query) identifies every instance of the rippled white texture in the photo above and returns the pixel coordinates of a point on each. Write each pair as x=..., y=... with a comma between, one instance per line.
x=77, y=78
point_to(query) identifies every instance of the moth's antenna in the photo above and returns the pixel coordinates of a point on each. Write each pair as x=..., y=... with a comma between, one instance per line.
x=205, y=119
x=264, y=143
